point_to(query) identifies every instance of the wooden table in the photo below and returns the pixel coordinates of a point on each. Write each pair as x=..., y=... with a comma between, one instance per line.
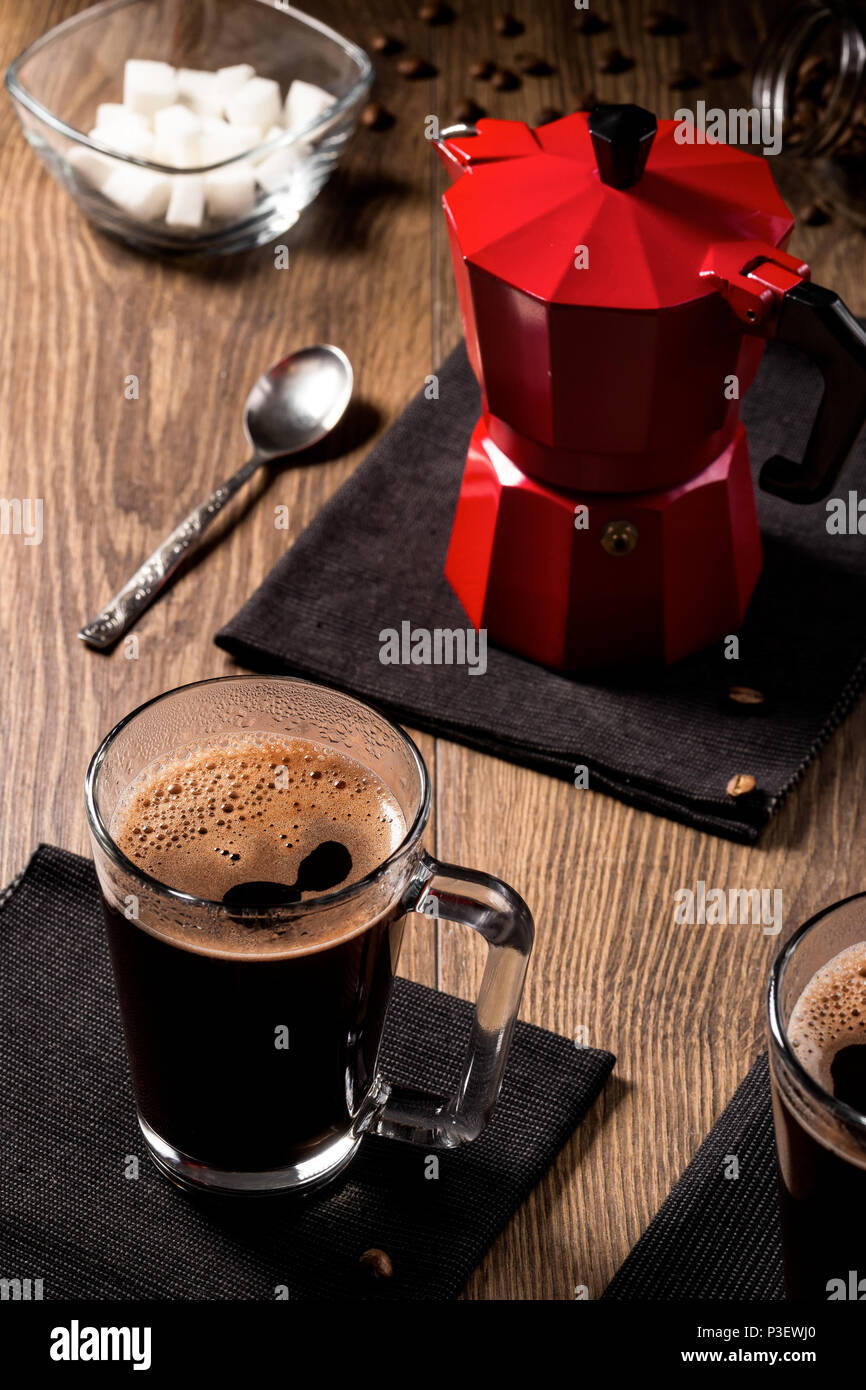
x=681, y=1007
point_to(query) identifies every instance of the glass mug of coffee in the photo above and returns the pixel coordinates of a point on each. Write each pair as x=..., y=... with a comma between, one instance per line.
x=817, y=1003
x=258, y=846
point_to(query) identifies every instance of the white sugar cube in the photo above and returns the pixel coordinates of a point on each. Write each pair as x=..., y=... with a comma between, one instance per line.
x=230, y=193
x=274, y=173
x=230, y=80
x=91, y=165
x=177, y=137
x=125, y=138
x=186, y=204
x=257, y=103
x=272, y=134
x=201, y=90
x=305, y=103
x=123, y=130
x=148, y=86
x=220, y=141
x=112, y=113
x=140, y=192
x=108, y=111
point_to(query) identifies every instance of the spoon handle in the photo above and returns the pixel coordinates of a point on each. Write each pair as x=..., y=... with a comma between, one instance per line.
x=129, y=603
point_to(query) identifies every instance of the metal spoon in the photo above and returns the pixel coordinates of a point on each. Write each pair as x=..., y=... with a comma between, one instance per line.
x=292, y=406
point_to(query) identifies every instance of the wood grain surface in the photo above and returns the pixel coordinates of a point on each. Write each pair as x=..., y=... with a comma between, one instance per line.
x=681, y=1007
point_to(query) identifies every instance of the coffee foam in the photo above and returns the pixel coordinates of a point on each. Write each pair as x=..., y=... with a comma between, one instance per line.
x=830, y=1013
x=252, y=807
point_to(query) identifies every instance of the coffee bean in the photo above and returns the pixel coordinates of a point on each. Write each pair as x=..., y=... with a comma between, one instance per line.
x=588, y=100
x=683, y=80
x=546, y=115
x=483, y=70
x=508, y=26
x=376, y=1264
x=813, y=215
x=614, y=61
x=435, y=13
x=591, y=24
x=745, y=695
x=413, y=67
x=533, y=65
x=846, y=140
x=811, y=75
x=741, y=784
x=852, y=138
x=468, y=112
x=662, y=24
x=793, y=131
x=385, y=43
x=376, y=117
x=504, y=80
x=814, y=66
x=721, y=64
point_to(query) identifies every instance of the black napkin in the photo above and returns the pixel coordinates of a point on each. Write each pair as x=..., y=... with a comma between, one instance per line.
x=717, y=1236
x=666, y=739
x=71, y=1217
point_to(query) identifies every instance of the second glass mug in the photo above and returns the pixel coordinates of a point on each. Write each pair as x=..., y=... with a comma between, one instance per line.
x=220, y=1107
x=820, y=1138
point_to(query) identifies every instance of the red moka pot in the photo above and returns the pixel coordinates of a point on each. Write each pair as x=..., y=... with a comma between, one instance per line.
x=617, y=284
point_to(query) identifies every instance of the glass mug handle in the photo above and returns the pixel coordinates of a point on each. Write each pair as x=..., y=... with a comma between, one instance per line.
x=500, y=915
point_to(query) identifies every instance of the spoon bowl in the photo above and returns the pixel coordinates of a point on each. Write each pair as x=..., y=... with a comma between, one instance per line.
x=298, y=401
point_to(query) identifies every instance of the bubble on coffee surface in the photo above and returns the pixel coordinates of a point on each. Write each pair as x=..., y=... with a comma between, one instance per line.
x=827, y=1027
x=254, y=819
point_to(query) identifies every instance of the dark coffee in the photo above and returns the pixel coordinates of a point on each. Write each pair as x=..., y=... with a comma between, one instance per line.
x=823, y=1192
x=252, y=1049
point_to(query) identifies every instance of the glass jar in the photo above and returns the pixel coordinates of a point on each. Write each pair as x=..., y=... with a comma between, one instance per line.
x=812, y=74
